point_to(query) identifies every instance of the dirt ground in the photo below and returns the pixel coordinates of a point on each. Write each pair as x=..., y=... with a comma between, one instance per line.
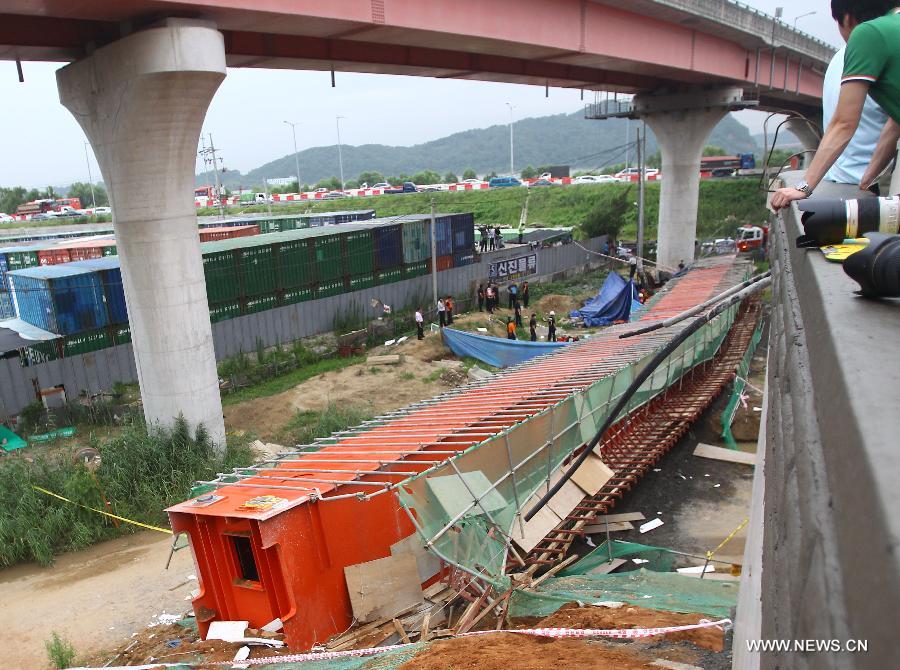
x=94, y=598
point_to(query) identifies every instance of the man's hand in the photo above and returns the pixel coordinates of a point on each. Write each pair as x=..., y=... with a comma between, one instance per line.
x=785, y=196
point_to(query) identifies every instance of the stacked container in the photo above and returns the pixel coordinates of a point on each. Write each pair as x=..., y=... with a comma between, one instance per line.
x=113, y=290
x=61, y=299
x=227, y=232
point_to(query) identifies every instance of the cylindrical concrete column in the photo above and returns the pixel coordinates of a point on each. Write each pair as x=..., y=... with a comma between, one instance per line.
x=141, y=101
x=681, y=123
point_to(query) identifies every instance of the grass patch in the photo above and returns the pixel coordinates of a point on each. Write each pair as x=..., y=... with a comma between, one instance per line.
x=290, y=379
x=432, y=377
x=375, y=370
x=406, y=376
x=60, y=651
x=306, y=426
x=139, y=476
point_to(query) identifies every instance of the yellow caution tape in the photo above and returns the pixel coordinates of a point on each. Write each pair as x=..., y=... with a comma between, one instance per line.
x=709, y=554
x=100, y=511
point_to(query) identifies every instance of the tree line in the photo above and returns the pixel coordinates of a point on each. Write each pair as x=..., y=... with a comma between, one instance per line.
x=12, y=197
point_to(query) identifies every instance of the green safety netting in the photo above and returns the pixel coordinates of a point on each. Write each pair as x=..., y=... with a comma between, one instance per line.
x=739, y=385
x=654, y=590
x=467, y=510
x=659, y=559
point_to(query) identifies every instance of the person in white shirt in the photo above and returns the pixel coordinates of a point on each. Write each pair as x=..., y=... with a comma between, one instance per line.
x=420, y=324
x=850, y=165
x=442, y=312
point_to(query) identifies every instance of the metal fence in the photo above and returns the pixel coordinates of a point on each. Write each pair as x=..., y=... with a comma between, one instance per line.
x=100, y=370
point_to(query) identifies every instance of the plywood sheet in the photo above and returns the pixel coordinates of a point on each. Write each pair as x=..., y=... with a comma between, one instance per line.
x=592, y=475
x=566, y=499
x=453, y=495
x=615, y=526
x=720, y=454
x=428, y=564
x=383, y=587
x=535, y=530
x=617, y=518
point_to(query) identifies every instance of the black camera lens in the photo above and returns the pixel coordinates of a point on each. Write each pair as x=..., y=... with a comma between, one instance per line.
x=877, y=267
x=829, y=221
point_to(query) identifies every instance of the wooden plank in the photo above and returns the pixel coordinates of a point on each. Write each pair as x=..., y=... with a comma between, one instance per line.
x=592, y=475
x=566, y=499
x=383, y=586
x=429, y=564
x=613, y=527
x=608, y=567
x=535, y=530
x=401, y=631
x=618, y=518
x=720, y=454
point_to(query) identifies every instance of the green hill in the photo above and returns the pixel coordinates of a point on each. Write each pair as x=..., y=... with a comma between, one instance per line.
x=562, y=139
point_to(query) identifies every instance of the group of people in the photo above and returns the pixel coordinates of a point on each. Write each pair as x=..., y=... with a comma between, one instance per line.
x=489, y=297
x=515, y=322
x=491, y=238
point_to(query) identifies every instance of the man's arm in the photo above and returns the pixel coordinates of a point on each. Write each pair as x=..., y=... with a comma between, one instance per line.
x=887, y=145
x=839, y=133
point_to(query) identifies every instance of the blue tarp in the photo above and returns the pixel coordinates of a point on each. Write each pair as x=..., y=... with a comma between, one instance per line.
x=495, y=351
x=616, y=301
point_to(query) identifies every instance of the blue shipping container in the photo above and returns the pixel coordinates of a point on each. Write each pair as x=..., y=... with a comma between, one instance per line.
x=463, y=258
x=443, y=240
x=6, y=306
x=463, y=227
x=388, y=247
x=59, y=298
x=113, y=290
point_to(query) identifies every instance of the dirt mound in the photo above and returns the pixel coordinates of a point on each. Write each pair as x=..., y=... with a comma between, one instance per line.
x=631, y=616
x=561, y=304
x=509, y=650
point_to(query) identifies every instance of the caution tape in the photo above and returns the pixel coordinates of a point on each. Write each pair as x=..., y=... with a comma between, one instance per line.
x=100, y=511
x=556, y=633
x=709, y=554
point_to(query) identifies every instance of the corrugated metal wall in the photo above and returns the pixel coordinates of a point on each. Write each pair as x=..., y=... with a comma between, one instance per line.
x=99, y=370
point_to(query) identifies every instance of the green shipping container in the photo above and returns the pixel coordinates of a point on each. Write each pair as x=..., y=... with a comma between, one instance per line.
x=295, y=295
x=329, y=288
x=389, y=276
x=41, y=352
x=220, y=269
x=269, y=226
x=362, y=281
x=110, y=251
x=121, y=334
x=411, y=270
x=85, y=343
x=260, y=303
x=329, y=257
x=360, y=252
x=295, y=263
x=416, y=240
x=289, y=224
x=224, y=310
x=19, y=260
x=257, y=266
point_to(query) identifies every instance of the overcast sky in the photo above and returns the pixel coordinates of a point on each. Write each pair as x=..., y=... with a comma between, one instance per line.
x=43, y=145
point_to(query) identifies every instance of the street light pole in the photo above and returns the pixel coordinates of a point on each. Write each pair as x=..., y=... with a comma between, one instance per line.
x=511, y=142
x=296, y=158
x=90, y=178
x=801, y=16
x=337, y=122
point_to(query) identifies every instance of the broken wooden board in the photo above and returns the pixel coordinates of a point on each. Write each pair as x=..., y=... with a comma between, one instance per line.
x=428, y=564
x=385, y=359
x=384, y=586
x=609, y=566
x=592, y=475
x=616, y=526
x=617, y=518
x=720, y=454
x=535, y=530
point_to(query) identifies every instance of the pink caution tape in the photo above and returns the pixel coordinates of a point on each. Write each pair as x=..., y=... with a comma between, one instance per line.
x=623, y=633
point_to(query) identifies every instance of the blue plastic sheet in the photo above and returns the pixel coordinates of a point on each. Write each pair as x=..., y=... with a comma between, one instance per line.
x=616, y=301
x=496, y=351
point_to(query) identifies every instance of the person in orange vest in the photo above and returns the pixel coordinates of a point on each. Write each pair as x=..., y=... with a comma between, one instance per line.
x=449, y=306
x=510, y=329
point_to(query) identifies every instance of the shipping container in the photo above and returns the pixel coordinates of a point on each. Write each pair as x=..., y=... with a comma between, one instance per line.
x=416, y=240
x=329, y=257
x=419, y=269
x=360, y=282
x=60, y=299
x=113, y=289
x=329, y=288
x=260, y=303
x=444, y=236
x=295, y=295
x=121, y=333
x=463, y=258
x=6, y=306
x=85, y=343
x=53, y=256
x=388, y=276
x=257, y=270
x=296, y=266
x=388, y=245
x=359, y=251
x=228, y=232
x=223, y=311
x=463, y=231
x=444, y=262
x=19, y=258
x=220, y=270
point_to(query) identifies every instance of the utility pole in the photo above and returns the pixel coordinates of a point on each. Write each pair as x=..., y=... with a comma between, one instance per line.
x=523, y=217
x=209, y=154
x=434, y=268
x=90, y=178
x=337, y=121
x=641, y=158
x=296, y=158
x=511, y=143
x=268, y=197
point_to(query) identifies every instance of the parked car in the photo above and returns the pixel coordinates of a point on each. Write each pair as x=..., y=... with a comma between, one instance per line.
x=628, y=174
x=102, y=210
x=543, y=182
x=595, y=179
x=333, y=195
x=472, y=181
x=408, y=187
x=41, y=216
x=321, y=189
x=5, y=218
x=502, y=182
x=381, y=184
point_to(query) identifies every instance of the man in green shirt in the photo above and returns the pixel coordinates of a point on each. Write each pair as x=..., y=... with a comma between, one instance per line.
x=871, y=67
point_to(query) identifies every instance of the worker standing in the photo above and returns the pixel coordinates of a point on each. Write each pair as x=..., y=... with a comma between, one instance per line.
x=525, y=295
x=532, y=326
x=513, y=295
x=632, y=267
x=489, y=298
x=510, y=329
x=551, y=327
x=448, y=304
x=481, y=297
x=491, y=241
x=517, y=306
x=442, y=312
x=420, y=324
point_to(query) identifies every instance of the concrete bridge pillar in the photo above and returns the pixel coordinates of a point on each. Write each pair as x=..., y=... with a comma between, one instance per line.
x=141, y=101
x=682, y=123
